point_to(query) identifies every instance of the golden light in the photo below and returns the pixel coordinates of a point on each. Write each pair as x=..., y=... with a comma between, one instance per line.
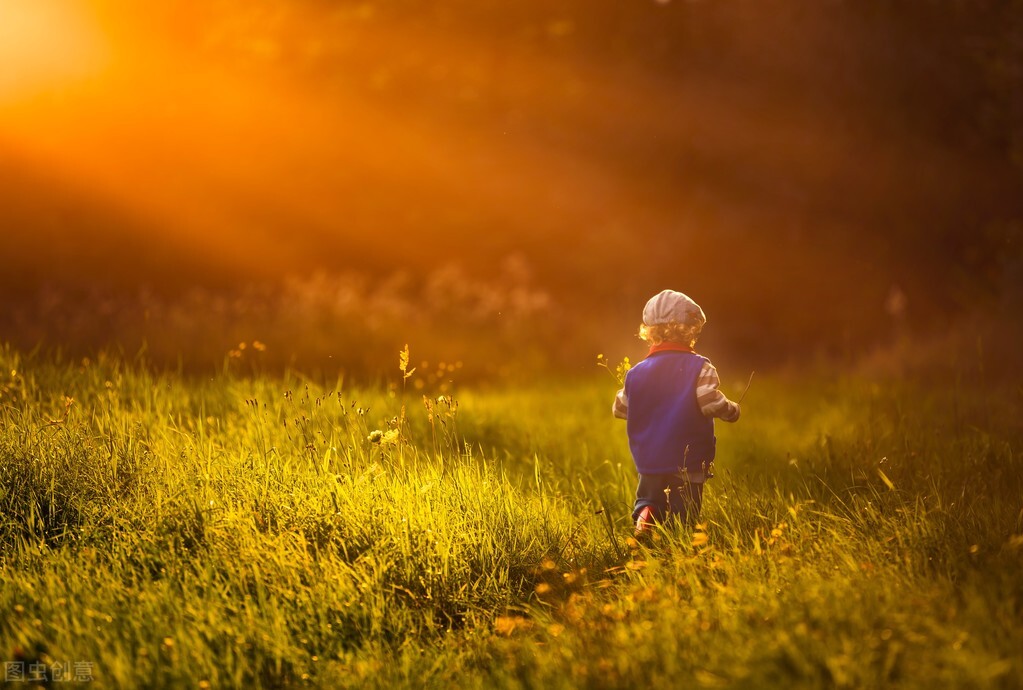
x=195, y=131
x=45, y=45
x=269, y=135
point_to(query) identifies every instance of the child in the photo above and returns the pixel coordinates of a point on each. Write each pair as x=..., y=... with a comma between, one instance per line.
x=670, y=400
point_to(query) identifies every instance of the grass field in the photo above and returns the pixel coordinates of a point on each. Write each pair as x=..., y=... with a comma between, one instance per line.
x=159, y=530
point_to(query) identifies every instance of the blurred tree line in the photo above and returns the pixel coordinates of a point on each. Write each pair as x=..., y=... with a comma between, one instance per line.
x=810, y=170
x=941, y=76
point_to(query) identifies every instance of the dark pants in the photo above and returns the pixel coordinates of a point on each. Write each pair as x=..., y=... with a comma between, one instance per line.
x=672, y=497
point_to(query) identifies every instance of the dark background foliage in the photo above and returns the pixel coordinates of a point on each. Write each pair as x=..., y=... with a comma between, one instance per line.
x=819, y=175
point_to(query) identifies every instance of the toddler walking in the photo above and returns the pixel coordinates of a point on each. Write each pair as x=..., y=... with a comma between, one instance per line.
x=669, y=402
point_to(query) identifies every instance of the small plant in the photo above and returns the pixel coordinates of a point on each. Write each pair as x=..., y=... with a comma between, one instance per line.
x=619, y=371
x=406, y=373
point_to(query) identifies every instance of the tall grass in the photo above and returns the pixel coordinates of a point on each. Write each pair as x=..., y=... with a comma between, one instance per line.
x=276, y=532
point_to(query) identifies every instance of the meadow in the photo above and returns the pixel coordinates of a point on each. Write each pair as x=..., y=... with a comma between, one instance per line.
x=240, y=529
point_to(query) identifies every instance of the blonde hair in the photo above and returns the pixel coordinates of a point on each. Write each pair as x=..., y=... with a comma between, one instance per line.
x=672, y=332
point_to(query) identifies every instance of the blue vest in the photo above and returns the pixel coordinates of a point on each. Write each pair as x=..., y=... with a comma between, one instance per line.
x=664, y=418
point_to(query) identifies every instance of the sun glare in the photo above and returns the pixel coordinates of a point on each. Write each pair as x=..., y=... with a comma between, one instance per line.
x=45, y=45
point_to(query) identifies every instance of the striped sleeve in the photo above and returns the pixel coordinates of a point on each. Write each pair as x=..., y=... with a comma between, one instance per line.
x=712, y=401
x=620, y=408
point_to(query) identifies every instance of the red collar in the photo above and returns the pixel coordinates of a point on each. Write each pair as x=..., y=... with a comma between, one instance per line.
x=670, y=347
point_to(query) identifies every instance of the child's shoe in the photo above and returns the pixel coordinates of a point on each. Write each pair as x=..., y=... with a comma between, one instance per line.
x=644, y=523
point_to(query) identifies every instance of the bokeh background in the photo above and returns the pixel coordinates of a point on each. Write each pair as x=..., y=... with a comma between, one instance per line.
x=503, y=184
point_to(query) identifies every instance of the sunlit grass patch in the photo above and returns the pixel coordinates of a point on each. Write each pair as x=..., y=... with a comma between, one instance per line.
x=267, y=532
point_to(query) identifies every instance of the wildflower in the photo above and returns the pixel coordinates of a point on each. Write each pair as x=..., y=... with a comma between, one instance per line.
x=375, y=436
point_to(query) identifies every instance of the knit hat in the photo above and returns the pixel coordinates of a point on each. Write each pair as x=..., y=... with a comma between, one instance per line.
x=669, y=306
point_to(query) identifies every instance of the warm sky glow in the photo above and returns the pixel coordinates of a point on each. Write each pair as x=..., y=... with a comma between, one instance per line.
x=46, y=46
x=175, y=141
x=230, y=158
